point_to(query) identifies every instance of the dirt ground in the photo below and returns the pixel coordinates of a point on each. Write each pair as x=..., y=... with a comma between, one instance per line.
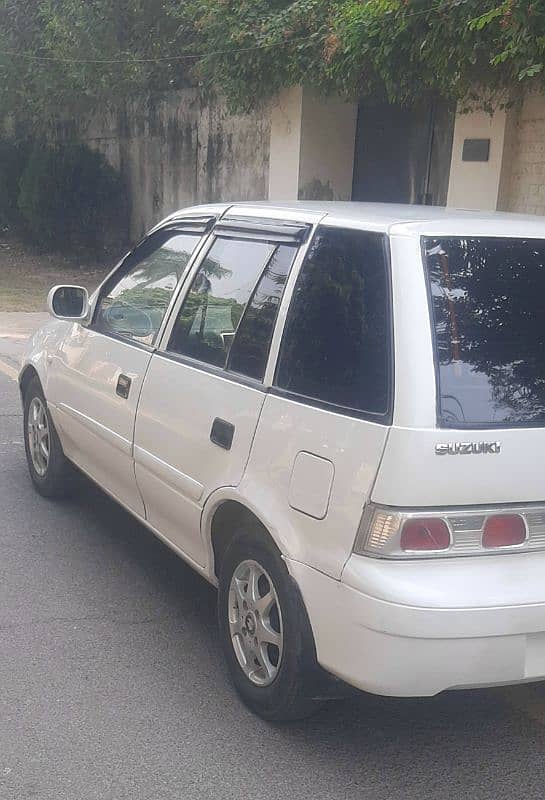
x=26, y=274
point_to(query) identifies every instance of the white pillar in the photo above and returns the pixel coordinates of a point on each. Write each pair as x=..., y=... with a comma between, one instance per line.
x=479, y=184
x=312, y=147
x=285, y=147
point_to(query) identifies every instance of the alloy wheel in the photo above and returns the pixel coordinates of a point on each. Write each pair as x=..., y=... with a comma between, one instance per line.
x=255, y=623
x=38, y=436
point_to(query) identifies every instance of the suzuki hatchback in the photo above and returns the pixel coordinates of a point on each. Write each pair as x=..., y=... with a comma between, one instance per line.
x=336, y=414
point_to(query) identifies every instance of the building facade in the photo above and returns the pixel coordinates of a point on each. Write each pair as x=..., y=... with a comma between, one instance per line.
x=431, y=155
x=181, y=149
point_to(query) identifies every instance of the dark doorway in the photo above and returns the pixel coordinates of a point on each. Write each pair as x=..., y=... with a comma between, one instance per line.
x=403, y=154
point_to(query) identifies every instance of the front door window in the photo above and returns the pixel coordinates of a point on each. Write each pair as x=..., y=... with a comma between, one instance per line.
x=228, y=316
x=133, y=306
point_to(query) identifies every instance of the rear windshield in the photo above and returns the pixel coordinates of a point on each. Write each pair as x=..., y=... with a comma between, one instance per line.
x=488, y=319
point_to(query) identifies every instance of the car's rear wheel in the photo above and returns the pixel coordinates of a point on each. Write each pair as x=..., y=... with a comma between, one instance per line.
x=50, y=471
x=265, y=633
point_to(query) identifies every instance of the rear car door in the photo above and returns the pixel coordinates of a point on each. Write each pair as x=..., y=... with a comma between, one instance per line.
x=326, y=418
x=98, y=370
x=204, y=391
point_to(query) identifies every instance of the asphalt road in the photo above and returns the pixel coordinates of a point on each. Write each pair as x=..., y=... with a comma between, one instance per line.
x=112, y=687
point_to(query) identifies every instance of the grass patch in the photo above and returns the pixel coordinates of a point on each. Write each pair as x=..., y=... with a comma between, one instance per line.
x=26, y=274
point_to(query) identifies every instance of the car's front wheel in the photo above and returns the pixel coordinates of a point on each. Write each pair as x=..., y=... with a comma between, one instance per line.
x=51, y=472
x=265, y=632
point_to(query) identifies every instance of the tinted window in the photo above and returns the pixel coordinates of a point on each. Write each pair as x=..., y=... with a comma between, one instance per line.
x=135, y=304
x=221, y=289
x=250, y=349
x=488, y=319
x=337, y=339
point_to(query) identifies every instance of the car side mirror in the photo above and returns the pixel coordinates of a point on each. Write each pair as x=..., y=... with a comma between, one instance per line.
x=68, y=303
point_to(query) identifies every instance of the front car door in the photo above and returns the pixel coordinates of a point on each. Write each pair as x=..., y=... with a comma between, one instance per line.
x=97, y=373
x=203, y=391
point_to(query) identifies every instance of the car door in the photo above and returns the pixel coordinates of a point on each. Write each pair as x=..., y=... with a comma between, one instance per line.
x=326, y=417
x=98, y=370
x=204, y=391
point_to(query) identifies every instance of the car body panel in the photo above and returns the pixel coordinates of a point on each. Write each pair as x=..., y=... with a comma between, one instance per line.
x=414, y=382
x=41, y=349
x=177, y=465
x=412, y=473
x=96, y=424
x=414, y=651
x=354, y=448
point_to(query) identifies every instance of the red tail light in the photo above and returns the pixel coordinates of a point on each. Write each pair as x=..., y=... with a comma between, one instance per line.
x=425, y=534
x=504, y=530
x=389, y=532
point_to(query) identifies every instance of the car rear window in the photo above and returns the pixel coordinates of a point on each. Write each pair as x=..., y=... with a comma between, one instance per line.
x=487, y=300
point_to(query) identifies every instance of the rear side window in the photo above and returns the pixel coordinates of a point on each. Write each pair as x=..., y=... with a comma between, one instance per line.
x=488, y=320
x=337, y=343
x=250, y=349
x=228, y=316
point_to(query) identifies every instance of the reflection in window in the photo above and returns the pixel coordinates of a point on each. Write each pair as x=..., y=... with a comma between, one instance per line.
x=136, y=304
x=213, y=308
x=488, y=319
x=250, y=349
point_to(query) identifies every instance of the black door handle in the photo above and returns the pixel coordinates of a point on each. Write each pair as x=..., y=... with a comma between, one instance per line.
x=123, y=386
x=222, y=433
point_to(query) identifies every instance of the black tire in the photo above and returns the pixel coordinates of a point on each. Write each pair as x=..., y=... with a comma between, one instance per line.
x=295, y=691
x=58, y=479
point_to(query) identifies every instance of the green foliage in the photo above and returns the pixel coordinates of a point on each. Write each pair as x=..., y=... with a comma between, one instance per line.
x=74, y=55
x=398, y=49
x=70, y=196
x=12, y=156
x=253, y=48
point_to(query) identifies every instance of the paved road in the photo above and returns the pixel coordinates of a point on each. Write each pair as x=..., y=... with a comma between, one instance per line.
x=111, y=686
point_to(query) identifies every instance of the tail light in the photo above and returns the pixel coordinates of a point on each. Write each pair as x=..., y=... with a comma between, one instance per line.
x=395, y=533
x=504, y=530
x=429, y=533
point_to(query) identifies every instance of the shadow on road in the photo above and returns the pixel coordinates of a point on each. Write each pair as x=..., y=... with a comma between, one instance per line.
x=460, y=744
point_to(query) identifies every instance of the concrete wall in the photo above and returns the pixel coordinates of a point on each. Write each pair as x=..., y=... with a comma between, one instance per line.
x=513, y=179
x=524, y=183
x=178, y=151
x=475, y=184
x=328, y=137
x=285, y=145
x=312, y=147
x=182, y=150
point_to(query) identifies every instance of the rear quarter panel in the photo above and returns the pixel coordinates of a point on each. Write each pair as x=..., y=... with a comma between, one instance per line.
x=313, y=513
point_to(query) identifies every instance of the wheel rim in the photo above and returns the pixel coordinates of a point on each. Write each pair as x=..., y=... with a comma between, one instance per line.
x=38, y=436
x=255, y=623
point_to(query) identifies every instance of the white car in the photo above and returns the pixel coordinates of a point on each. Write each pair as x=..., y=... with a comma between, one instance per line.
x=335, y=412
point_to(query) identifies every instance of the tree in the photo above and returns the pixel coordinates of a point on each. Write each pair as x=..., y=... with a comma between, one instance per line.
x=70, y=196
x=74, y=55
x=398, y=49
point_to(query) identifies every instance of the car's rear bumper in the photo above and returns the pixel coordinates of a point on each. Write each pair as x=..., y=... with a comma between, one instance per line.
x=389, y=647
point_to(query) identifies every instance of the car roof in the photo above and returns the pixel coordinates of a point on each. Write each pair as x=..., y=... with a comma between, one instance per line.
x=393, y=218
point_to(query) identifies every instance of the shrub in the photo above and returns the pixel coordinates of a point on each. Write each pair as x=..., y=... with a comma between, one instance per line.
x=11, y=168
x=71, y=197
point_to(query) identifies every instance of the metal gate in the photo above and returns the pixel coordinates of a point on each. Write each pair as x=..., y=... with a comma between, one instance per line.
x=402, y=155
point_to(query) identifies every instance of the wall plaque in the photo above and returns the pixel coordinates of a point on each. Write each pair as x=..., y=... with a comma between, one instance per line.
x=476, y=150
